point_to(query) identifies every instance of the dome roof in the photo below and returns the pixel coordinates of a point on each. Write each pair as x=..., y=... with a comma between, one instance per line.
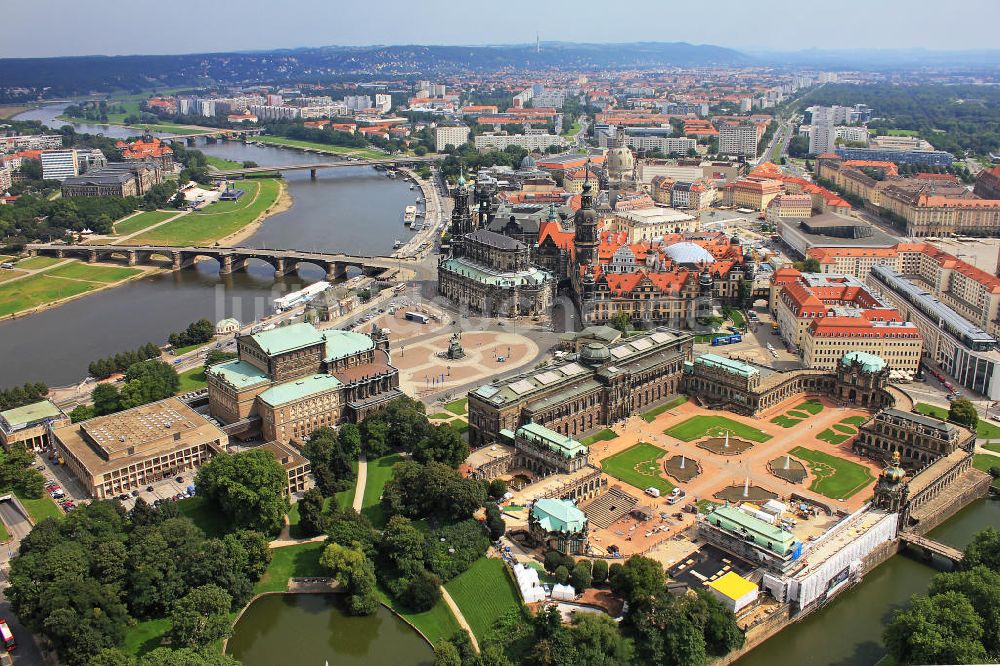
x=689, y=253
x=869, y=362
x=594, y=353
x=528, y=162
x=620, y=162
x=894, y=473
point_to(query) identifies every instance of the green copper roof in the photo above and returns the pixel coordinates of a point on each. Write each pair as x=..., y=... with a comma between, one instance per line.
x=345, y=343
x=729, y=365
x=556, y=515
x=300, y=388
x=484, y=275
x=238, y=374
x=36, y=411
x=869, y=362
x=762, y=533
x=287, y=338
x=565, y=446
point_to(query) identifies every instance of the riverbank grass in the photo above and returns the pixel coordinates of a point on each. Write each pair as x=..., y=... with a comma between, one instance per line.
x=217, y=220
x=367, y=153
x=35, y=263
x=714, y=426
x=484, y=593
x=36, y=290
x=92, y=272
x=836, y=478
x=379, y=472
x=638, y=466
x=138, y=222
x=436, y=624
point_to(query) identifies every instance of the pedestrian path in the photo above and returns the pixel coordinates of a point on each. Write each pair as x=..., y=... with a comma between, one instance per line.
x=359, y=488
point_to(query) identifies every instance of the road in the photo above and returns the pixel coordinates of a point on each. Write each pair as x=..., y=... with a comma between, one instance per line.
x=27, y=652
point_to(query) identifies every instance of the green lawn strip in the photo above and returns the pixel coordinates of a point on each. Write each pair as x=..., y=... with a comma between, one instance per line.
x=844, y=429
x=142, y=220
x=651, y=415
x=461, y=426
x=41, y=508
x=983, y=462
x=795, y=414
x=146, y=636
x=639, y=466
x=217, y=220
x=298, y=561
x=854, y=420
x=992, y=446
x=714, y=426
x=222, y=163
x=440, y=416
x=34, y=263
x=4, y=534
x=193, y=380
x=436, y=624
x=484, y=593
x=92, y=272
x=205, y=516
x=9, y=274
x=836, y=478
x=379, y=471
x=785, y=422
x=812, y=406
x=605, y=435
x=459, y=407
x=179, y=351
x=36, y=290
x=984, y=429
x=737, y=318
x=345, y=498
x=832, y=437
x=323, y=147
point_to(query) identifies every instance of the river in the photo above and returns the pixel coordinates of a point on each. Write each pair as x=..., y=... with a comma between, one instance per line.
x=848, y=632
x=312, y=629
x=355, y=210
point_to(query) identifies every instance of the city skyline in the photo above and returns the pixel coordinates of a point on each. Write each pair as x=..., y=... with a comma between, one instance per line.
x=99, y=28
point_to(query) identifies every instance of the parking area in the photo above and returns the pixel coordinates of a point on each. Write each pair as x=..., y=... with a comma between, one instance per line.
x=167, y=489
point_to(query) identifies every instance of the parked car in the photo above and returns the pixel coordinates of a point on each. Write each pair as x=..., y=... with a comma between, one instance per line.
x=179, y=479
x=149, y=489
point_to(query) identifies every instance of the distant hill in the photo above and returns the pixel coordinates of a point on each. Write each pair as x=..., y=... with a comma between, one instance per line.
x=80, y=75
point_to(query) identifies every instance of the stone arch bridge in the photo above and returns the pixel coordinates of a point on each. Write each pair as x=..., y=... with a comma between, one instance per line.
x=230, y=258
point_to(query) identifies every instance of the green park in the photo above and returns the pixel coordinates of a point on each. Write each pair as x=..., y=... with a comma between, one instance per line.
x=639, y=466
x=713, y=425
x=834, y=477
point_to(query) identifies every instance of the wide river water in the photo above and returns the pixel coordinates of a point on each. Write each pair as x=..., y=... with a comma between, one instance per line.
x=355, y=210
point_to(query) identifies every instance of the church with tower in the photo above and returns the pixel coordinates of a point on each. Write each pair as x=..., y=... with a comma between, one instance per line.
x=486, y=272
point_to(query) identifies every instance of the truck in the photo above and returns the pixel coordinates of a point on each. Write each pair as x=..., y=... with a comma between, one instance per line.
x=727, y=339
x=418, y=317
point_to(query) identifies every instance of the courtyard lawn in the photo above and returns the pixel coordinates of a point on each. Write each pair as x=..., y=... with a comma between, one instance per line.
x=440, y=416
x=832, y=437
x=651, y=415
x=146, y=636
x=322, y=147
x=983, y=462
x=836, y=478
x=484, y=593
x=697, y=427
x=34, y=263
x=992, y=446
x=193, y=380
x=436, y=624
x=298, y=561
x=36, y=290
x=638, y=466
x=844, y=429
x=460, y=426
x=217, y=220
x=812, y=406
x=458, y=407
x=785, y=421
x=92, y=272
x=379, y=471
x=605, y=435
x=205, y=516
x=139, y=222
x=854, y=420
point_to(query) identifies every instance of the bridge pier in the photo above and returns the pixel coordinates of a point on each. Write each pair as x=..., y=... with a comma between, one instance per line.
x=190, y=141
x=176, y=261
x=336, y=271
x=281, y=267
x=91, y=257
x=312, y=174
x=132, y=259
x=225, y=264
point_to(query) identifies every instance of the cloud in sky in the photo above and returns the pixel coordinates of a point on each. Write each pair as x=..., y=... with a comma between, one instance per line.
x=114, y=27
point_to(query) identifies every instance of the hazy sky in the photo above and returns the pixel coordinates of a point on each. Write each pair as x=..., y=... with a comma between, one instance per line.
x=112, y=27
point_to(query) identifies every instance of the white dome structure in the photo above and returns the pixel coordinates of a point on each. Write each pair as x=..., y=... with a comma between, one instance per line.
x=689, y=253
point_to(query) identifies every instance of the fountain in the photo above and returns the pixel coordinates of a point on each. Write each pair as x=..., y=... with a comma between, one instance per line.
x=787, y=460
x=746, y=487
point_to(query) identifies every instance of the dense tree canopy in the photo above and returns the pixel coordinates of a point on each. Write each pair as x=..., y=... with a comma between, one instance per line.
x=247, y=487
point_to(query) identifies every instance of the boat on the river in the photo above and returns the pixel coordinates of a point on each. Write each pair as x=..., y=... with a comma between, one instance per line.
x=409, y=214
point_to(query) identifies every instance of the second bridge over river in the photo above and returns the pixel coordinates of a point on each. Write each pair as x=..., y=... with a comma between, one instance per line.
x=230, y=258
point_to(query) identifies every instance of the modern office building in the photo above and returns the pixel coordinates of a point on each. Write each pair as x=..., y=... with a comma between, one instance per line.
x=115, y=454
x=962, y=349
x=60, y=164
x=929, y=157
x=450, y=135
x=739, y=139
x=823, y=132
x=532, y=142
x=29, y=426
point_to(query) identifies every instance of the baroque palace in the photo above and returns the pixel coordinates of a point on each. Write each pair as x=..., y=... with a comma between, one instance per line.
x=293, y=379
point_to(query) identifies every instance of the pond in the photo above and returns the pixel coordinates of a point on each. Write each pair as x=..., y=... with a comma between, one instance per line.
x=313, y=629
